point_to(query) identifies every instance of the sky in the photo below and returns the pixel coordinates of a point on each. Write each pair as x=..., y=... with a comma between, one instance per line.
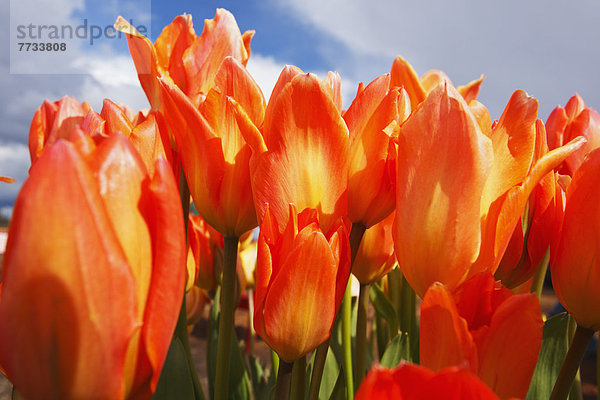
x=549, y=48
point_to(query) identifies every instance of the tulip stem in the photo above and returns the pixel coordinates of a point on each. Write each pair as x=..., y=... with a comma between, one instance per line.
x=408, y=312
x=298, y=379
x=540, y=275
x=361, y=333
x=226, y=318
x=284, y=378
x=317, y=372
x=567, y=373
x=356, y=234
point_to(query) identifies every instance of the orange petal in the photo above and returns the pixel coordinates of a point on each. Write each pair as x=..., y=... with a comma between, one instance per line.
x=513, y=140
x=61, y=335
x=505, y=365
x=375, y=256
x=470, y=91
x=116, y=119
x=40, y=127
x=444, y=335
x=443, y=161
x=220, y=38
x=299, y=306
x=456, y=384
x=7, y=179
x=332, y=84
x=575, y=269
x=433, y=78
x=145, y=60
x=306, y=163
x=170, y=45
x=402, y=74
x=162, y=209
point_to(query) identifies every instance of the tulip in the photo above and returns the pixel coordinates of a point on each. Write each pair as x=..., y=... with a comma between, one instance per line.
x=528, y=249
x=216, y=142
x=89, y=301
x=375, y=257
x=301, y=276
x=403, y=75
x=414, y=382
x=462, y=189
x=7, y=179
x=304, y=157
x=372, y=119
x=469, y=327
x=180, y=57
x=574, y=259
x=205, y=254
x=564, y=124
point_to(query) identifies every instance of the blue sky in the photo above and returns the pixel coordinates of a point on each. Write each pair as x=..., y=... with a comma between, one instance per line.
x=547, y=47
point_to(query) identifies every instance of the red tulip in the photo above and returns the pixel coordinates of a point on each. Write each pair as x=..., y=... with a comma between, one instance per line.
x=305, y=158
x=473, y=327
x=93, y=274
x=461, y=189
x=180, y=57
x=575, y=257
x=301, y=276
x=414, y=382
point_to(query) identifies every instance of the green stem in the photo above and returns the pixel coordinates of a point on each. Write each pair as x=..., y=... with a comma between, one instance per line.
x=181, y=328
x=317, y=372
x=540, y=274
x=575, y=392
x=356, y=234
x=226, y=318
x=298, y=379
x=284, y=378
x=382, y=335
x=567, y=373
x=361, y=333
x=395, y=288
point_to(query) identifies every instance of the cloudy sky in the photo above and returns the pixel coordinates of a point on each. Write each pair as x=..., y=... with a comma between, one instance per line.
x=547, y=47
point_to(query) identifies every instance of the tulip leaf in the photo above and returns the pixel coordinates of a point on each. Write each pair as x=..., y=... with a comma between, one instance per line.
x=339, y=389
x=384, y=308
x=263, y=381
x=331, y=374
x=555, y=344
x=398, y=350
x=175, y=380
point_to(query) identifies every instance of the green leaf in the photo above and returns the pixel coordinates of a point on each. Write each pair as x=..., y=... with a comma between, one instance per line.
x=212, y=343
x=339, y=390
x=384, y=308
x=555, y=344
x=175, y=380
x=331, y=374
x=398, y=350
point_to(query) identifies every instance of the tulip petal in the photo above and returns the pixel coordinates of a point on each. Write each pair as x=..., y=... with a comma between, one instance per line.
x=116, y=120
x=306, y=163
x=403, y=75
x=517, y=317
x=299, y=306
x=170, y=45
x=456, y=384
x=443, y=161
x=444, y=335
x=220, y=38
x=470, y=91
x=68, y=295
x=575, y=271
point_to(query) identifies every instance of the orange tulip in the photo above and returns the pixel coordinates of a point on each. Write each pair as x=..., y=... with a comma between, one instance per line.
x=303, y=159
x=205, y=254
x=403, y=75
x=372, y=119
x=215, y=143
x=531, y=238
x=179, y=56
x=463, y=185
x=414, y=382
x=575, y=268
x=471, y=326
x=564, y=124
x=301, y=276
x=89, y=301
x=375, y=256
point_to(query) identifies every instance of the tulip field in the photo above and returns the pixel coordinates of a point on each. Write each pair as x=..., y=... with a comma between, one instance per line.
x=233, y=244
